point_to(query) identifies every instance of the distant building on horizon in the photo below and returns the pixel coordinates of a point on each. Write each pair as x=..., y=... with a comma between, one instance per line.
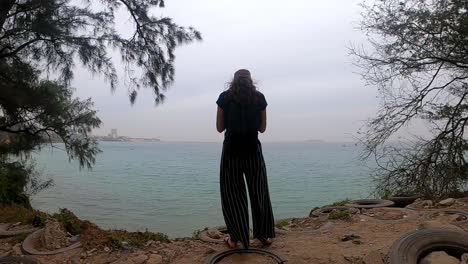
x=113, y=136
x=113, y=133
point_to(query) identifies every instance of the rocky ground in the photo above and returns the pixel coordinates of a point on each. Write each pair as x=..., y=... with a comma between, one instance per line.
x=357, y=240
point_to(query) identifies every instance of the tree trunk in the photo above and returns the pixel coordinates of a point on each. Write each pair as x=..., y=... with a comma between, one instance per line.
x=5, y=7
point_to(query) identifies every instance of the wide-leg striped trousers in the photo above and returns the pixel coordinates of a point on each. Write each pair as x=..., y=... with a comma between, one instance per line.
x=234, y=196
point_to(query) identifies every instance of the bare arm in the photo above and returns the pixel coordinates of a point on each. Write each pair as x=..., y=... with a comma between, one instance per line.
x=220, y=120
x=264, y=122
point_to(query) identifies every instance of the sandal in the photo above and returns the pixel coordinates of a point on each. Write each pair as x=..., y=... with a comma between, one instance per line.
x=266, y=242
x=229, y=242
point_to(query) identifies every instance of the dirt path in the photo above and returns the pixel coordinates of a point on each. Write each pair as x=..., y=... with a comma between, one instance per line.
x=328, y=247
x=371, y=238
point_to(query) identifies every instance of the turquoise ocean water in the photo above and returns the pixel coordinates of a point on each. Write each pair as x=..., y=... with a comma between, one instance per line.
x=174, y=187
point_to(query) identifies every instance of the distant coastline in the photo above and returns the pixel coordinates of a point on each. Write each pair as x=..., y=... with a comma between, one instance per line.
x=114, y=137
x=125, y=139
x=315, y=141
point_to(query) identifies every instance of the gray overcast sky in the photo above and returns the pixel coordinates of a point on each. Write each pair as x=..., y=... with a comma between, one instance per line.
x=296, y=51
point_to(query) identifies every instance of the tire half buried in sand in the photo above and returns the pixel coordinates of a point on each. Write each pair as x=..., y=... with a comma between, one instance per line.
x=32, y=240
x=17, y=260
x=461, y=214
x=325, y=211
x=5, y=232
x=216, y=258
x=388, y=214
x=216, y=234
x=414, y=246
x=369, y=203
x=402, y=201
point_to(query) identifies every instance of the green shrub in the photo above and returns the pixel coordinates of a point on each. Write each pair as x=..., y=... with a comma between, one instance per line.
x=282, y=223
x=13, y=181
x=134, y=239
x=339, y=215
x=18, y=181
x=70, y=221
x=15, y=213
x=196, y=234
x=339, y=203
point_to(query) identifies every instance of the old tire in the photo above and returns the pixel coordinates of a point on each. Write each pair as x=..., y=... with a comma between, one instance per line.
x=413, y=246
x=17, y=260
x=370, y=203
x=325, y=211
x=410, y=214
x=402, y=201
x=29, y=242
x=412, y=207
x=280, y=230
x=219, y=256
x=205, y=237
x=325, y=228
x=429, y=215
x=4, y=232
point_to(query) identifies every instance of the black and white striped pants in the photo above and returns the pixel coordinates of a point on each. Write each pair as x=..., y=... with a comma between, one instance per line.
x=234, y=196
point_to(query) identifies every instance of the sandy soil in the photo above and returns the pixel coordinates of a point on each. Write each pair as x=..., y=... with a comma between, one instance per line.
x=368, y=239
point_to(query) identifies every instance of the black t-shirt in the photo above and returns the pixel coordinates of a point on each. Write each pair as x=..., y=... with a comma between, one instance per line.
x=242, y=122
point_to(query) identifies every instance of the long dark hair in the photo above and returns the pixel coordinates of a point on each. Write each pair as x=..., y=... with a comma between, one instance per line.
x=242, y=88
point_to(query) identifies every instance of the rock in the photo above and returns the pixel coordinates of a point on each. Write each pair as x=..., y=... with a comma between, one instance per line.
x=464, y=259
x=349, y=237
x=123, y=261
x=374, y=257
x=169, y=253
x=5, y=246
x=210, y=250
x=437, y=224
x=455, y=218
x=5, y=254
x=54, y=235
x=427, y=203
x=154, y=259
x=125, y=245
x=149, y=243
x=357, y=242
x=17, y=249
x=354, y=260
x=447, y=202
x=139, y=259
x=74, y=239
x=213, y=233
x=439, y=257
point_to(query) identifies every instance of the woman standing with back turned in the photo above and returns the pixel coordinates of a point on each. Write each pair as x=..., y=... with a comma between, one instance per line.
x=242, y=113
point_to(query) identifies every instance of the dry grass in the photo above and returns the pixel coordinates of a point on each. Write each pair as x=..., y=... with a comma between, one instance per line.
x=340, y=215
x=94, y=237
x=91, y=235
x=14, y=214
x=282, y=223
